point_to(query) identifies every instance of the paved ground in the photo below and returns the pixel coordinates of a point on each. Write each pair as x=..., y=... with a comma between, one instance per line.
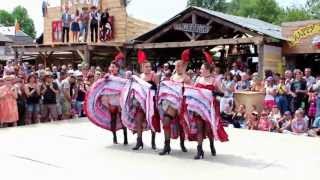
x=79, y=150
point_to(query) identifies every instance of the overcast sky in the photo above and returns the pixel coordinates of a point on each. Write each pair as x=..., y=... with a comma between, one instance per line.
x=155, y=11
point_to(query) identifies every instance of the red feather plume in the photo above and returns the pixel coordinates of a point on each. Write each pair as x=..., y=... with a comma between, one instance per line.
x=185, y=56
x=208, y=57
x=119, y=57
x=142, y=57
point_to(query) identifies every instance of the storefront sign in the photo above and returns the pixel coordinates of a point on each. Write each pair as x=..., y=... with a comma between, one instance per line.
x=304, y=32
x=193, y=28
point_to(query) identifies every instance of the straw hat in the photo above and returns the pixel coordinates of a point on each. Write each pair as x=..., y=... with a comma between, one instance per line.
x=47, y=74
x=9, y=77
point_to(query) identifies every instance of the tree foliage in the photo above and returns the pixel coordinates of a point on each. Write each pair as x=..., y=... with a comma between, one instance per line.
x=6, y=19
x=216, y=5
x=314, y=8
x=266, y=10
x=19, y=14
x=290, y=14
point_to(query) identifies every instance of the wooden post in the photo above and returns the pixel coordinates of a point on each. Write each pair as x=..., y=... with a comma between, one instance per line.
x=87, y=56
x=261, y=59
x=194, y=21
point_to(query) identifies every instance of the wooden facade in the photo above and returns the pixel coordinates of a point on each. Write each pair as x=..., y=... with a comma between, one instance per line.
x=199, y=29
x=124, y=26
x=301, y=35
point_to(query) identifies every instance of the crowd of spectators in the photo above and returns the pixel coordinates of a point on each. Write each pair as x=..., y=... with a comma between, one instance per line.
x=41, y=94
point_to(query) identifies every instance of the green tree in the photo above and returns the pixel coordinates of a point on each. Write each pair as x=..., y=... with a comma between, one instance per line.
x=216, y=5
x=266, y=10
x=6, y=19
x=26, y=23
x=294, y=14
x=313, y=6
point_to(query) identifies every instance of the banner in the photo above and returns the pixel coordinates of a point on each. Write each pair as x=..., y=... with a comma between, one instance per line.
x=303, y=32
x=57, y=31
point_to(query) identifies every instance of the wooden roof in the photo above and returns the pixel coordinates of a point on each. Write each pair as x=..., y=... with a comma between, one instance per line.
x=249, y=26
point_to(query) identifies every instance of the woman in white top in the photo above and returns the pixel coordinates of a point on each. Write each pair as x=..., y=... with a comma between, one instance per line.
x=270, y=90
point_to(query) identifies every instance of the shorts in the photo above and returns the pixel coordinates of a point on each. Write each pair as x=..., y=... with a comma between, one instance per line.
x=33, y=108
x=50, y=110
x=269, y=104
x=66, y=107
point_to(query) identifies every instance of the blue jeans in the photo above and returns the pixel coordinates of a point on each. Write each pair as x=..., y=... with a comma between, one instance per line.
x=282, y=103
x=318, y=107
x=84, y=31
x=33, y=108
x=79, y=108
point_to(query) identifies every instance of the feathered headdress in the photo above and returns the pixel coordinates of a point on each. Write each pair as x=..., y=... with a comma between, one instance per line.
x=119, y=57
x=185, y=56
x=142, y=57
x=208, y=56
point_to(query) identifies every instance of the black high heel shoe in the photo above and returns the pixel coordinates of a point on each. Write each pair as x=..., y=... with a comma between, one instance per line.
x=212, y=148
x=166, y=149
x=125, y=136
x=183, y=148
x=115, y=141
x=139, y=144
x=200, y=153
x=153, y=141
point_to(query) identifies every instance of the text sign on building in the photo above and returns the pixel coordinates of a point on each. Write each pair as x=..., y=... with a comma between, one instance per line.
x=304, y=32
x=193, y=28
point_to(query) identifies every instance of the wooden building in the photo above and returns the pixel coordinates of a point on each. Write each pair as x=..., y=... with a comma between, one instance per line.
x=53, y=51
x=199, y=28
x=302, y=50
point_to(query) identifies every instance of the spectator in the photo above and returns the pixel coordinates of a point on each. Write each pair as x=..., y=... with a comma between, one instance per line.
x=227, y=87
x=309, y=78
x=253, y=120
x=66, y=20
x=270, y=90
x=90, y=79
x=299, y=91
x=1, y=70
x=75, y=27
x=235, y=69
x=316, y=123
x=94, y=21
x=21, y=102
x=49, y=91
x=239, y=118
x=67, y=96
x=275, y=117
x=312, y=107
x=298, y=125
x=244, y=83
x=227, y=114
x=84, y=18
x=33, y=94
x=316, y=88
x=105, y=26
x=285, y=123
x=58, y=81
x=282, y=98
x=264, y=122
x=81, y=90
x=8, y=102
x=55, y=72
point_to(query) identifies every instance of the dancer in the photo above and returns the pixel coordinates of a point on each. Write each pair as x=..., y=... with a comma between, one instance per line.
x=171, y=111
x=102, y=104
x=136, y=105
x=114, y=107
x=203, y=127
